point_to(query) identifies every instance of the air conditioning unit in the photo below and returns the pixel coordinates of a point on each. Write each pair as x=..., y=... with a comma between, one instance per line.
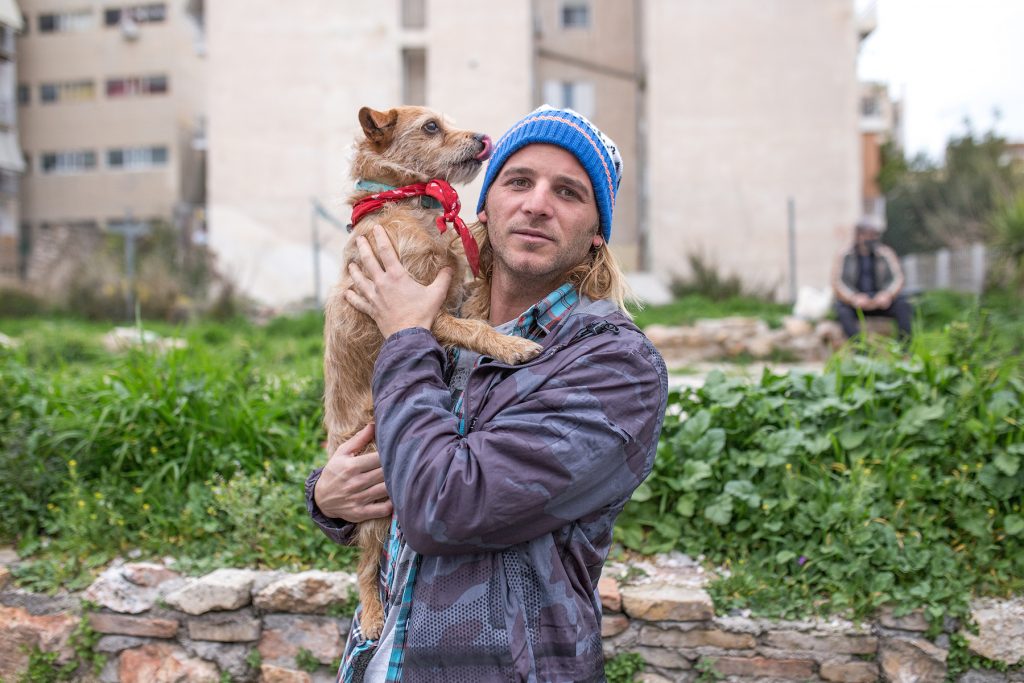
x=129, y=27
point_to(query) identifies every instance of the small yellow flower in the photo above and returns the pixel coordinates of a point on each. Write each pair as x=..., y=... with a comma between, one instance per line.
x=145, y=506
x=991, y=512
x=153, y=450
x=137, y=490
x=97, y=495
x=211, y=511
x=81, y=503
x=789, y=466
x=72, y=464
x=978, y=465
x=51, y=506
x=913, y=477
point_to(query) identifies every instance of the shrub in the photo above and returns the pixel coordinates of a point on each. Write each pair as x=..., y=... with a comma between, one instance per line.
x=884, y=480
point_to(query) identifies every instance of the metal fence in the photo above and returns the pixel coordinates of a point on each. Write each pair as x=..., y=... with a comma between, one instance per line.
x=962, y=270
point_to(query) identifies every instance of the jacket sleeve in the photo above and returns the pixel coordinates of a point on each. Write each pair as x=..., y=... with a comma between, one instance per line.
x=338, y=530
x=564, y=447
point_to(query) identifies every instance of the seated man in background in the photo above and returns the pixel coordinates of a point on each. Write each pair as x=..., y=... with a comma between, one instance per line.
x=868, y=279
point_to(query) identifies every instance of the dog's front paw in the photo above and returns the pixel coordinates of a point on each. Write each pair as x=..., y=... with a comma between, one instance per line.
x=515, y=350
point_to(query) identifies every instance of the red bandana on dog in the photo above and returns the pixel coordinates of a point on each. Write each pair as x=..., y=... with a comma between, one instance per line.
x=443, y=193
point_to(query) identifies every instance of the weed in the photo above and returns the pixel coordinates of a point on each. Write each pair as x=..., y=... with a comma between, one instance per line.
x=306, y=660
x=254, y=660
x=623, y=667
x=708, y=672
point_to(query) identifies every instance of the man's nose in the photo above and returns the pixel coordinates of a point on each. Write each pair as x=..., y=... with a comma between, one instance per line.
x=537, y=201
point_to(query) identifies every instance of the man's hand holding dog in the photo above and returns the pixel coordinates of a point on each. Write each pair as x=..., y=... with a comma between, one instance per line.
x=386, y=292
x=351, y=486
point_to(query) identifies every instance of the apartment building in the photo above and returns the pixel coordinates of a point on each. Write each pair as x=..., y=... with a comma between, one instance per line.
x=111, y=98
x=881, y=123
x=12, y=164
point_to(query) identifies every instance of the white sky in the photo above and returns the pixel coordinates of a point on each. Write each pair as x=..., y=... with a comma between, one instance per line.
x=947, y=59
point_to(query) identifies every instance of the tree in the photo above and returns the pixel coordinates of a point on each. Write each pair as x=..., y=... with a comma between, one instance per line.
x=950, y=205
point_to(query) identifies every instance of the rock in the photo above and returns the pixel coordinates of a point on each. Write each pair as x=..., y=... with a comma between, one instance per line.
x=230, y=658
x=760, y=346
x=666, y=659
x=762, y=667
x=124, y=338
x=222, y=589
x=650, y=677
x=613, y=625
x=111, y=645
x=113, y=590
x=841, y=671
x=312, y=592
x=979, y=676
x=277, y=674
x=20, y=630
x=911, y=661
x=675, y=638
x=664, y=602
x=124, y=625
x=835, y=644
x=8, y=556
x=148, y=574
x=914, y=621
x=7, y=342
x=649, y=288
x=284, y=635
x=1000, y=629
x=225, y=627
x=5, y=577
x=830, y=333
x=611, y=598
x=797, y=327
x=164, y=663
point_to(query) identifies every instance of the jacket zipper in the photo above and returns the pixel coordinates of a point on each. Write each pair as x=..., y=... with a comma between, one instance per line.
x=589, y=330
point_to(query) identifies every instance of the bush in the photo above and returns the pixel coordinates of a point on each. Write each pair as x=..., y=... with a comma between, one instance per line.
x=885, y=480
x=16, y=302
x=200, y=453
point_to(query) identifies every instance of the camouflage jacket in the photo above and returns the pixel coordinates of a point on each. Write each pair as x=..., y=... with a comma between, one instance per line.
x=514, y=520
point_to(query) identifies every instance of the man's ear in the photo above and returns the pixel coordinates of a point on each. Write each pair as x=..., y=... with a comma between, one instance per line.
x=378, y=126
x=597, y=242
x=482, y=216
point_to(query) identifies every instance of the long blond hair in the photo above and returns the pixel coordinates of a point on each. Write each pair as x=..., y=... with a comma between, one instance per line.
x=599, y=277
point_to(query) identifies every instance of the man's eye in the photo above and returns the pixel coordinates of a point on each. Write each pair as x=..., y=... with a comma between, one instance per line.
x=519, y=182
x=569, y=193
x=431, y=127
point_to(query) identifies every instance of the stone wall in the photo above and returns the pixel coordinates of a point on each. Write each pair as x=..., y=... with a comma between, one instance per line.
x=157, y=626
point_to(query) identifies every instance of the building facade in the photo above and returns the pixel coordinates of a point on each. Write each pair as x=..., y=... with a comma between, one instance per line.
x=727, y=114
x=111, y=100
x=12, y=162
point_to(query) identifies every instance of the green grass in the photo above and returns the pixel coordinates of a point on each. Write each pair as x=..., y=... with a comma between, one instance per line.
x=689, y=309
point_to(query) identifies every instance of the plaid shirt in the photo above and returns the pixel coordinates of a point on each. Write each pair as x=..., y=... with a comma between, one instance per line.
x=535, y=323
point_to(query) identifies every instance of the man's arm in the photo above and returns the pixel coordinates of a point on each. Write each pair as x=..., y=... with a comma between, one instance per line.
x=842, y=291
x=893, y=261
x=561, y=447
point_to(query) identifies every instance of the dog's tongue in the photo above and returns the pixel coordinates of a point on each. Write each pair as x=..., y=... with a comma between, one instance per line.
x=485, y=153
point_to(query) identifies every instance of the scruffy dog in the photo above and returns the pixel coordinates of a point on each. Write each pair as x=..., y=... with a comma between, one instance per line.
x=401, y=168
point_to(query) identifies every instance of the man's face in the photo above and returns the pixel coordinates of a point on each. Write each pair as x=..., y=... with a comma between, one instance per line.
x=541, y=214
x=867, y=238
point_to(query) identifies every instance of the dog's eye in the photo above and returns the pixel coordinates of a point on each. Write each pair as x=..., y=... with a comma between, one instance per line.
x=431, y=128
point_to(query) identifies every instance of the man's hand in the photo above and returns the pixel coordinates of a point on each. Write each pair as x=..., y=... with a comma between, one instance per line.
x=351, y=487
x=863, y=302
x=389, y=294
x=882, y=300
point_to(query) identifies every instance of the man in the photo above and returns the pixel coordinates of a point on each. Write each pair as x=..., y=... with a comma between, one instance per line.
x=505, y=480
x=868, y=279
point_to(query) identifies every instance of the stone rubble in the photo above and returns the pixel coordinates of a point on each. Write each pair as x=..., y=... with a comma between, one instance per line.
x=250, y=626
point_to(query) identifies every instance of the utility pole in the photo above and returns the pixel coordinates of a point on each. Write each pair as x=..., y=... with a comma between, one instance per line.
x=318, y=211
x=131, y=230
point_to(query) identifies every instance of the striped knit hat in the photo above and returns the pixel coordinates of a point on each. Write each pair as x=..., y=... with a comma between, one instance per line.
x=571, y=131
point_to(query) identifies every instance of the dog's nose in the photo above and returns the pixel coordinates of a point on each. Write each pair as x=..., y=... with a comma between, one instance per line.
x=485, y=153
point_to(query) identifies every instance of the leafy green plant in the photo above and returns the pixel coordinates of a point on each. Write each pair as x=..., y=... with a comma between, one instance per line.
x=254, y=659
x=306, y=660
x=708, y=672
x=623, y=667
x=884, y=480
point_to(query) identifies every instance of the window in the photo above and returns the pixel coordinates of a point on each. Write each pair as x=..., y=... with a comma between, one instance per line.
x=67, y=91
x=869, y=106
x=140, y=14
x=577, y=95
x=414, y=76
x=24, y=94
x=136, y=158
x=78, y=161
x=60, y=22
x=414, y=13
x=576, y=15
x=136, y=85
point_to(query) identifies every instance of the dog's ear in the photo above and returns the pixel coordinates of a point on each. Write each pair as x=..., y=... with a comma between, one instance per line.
x=377, y=125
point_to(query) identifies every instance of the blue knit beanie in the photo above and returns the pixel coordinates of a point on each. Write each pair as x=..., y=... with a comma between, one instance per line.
x=571, y=131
